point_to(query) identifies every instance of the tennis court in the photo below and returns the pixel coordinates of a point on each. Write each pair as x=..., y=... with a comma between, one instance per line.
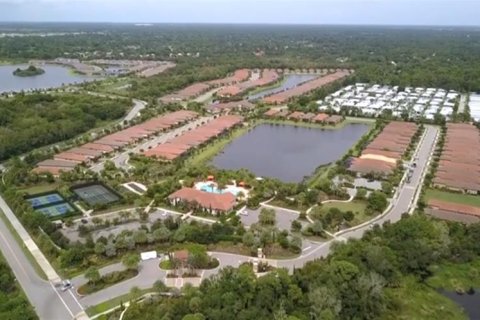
x=46, y=199
x=95, y=194
x=56, y=210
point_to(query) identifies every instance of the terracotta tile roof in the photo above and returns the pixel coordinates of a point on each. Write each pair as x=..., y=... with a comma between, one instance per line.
x=124, y=137
x=271, y=112
x=79, y=158
x=366, y=166
x=454, y=207
x=218, y=107
x=57, y=163
x=334, y=119
x=53, y=170
x=194, y=137
x=386, y=149
x=222, y=202
x=459, y=166
x=97, y=146
x=321, y=117
x=297, y=115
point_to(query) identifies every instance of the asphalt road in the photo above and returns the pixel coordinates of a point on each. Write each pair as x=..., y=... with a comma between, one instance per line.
x=138, y=105
x=49, y=302
x=401, y=204
x=52, y=304
x=121, y=160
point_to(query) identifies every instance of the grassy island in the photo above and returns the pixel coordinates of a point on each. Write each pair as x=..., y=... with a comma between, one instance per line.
x=28, y=72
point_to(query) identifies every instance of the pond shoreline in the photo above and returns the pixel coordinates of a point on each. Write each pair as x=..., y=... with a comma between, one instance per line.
x=285, y=151
x=54, y=77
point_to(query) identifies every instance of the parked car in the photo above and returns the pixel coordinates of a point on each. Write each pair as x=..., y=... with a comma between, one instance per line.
x=66, y=284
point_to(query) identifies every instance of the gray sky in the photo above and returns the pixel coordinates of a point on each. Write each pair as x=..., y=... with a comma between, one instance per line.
x=384, y=12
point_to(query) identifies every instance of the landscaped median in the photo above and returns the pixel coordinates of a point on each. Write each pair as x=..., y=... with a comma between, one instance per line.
x=338, y=215
x=185, y=260
x=97, y=282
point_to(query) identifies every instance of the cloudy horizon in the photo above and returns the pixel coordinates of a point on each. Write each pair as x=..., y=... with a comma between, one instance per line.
x=356, y=12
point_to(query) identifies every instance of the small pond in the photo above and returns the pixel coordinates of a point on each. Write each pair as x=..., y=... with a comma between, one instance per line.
x=290, y=81
x=286, y=152
x=54, y=77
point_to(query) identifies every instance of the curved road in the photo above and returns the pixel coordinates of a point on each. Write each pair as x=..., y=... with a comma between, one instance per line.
x=52, y=304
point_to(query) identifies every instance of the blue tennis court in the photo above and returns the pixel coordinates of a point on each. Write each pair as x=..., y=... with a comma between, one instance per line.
x=45, y=200
x=57, y=210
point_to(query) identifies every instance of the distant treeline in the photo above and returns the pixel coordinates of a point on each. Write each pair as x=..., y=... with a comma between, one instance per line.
x=431, y=57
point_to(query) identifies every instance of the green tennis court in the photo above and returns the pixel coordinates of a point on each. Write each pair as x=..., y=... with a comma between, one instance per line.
x=95, y=194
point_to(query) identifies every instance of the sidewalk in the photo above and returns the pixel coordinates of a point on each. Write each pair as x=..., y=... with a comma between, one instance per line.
x=30, y=244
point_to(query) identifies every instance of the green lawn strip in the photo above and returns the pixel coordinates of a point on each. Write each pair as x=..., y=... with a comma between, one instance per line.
x=277, y=252
x=115, y=302
x=420, y=302
x=319, y=175
x=211, y=150
x=106, y=281
x=229, y=247
x=287, y=205
x=74, y=271
x=354, y=206
x=40, y=188
x=358, y=207
x=166, y=265
x=456, y=276
x=27, y=252
x=459, y=198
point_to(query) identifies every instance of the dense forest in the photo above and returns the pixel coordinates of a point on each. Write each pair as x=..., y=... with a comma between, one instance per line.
x=371, y=278
x=13, y=303
x=34, y=120
x=429, y=56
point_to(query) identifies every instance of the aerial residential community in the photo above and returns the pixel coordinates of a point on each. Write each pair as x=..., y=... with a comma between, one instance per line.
x=194, y=172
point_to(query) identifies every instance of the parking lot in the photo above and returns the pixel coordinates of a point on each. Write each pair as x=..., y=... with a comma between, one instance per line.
x=73, y=235
x=284, y=217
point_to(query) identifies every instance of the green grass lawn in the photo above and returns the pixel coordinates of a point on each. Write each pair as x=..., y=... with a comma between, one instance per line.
x=356, y=206
x=166, y=265
x=319, y=175
x=456, y=276
x=27, y=252
x=419, y=302
x=453, y=197
x=40, y=188
x=115, y=302
x=211, y=150
x=106, y=281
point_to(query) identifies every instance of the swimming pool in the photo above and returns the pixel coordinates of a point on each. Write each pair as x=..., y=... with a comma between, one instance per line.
x=211, y=187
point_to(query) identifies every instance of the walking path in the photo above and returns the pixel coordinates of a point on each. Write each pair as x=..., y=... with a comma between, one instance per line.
x=404, y=200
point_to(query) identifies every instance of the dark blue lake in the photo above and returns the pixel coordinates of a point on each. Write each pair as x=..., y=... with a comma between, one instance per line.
x=290, y=81
x=54, y=77
x=286, y=152
x=469, y=302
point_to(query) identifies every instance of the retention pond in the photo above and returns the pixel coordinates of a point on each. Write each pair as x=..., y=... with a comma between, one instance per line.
x=286, y=152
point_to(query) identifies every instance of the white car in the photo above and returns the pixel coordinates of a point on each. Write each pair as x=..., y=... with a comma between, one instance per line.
x=66, y=284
